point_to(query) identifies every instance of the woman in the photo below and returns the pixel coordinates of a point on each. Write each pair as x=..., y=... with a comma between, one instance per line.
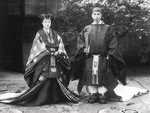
x=47, y=70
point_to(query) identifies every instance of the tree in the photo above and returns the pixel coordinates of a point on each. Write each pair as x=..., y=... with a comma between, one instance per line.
x=130, y=18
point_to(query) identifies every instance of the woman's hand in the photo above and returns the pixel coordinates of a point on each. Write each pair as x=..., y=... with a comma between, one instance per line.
x=56, y=53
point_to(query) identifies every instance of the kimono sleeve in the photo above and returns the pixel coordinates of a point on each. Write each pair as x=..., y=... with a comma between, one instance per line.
x=38, y=48
x=116, y=62
x=61, y=48
x=81, y=40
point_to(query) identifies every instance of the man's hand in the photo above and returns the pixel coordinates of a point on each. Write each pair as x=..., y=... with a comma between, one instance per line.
x=86, y=51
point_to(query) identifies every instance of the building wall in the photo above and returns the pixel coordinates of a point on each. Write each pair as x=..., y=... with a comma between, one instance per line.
x=18, y=25
x=5, y=41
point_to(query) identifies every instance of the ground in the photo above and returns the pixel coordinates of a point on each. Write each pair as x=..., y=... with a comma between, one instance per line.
x=138, y=77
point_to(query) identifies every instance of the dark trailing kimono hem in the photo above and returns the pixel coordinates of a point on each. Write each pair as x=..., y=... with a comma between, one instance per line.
x=48, y=91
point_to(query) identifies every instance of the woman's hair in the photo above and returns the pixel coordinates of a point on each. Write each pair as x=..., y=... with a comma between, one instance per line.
x=45, y=16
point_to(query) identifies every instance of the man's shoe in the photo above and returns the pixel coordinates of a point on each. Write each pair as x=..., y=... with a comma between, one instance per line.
x=92, y=99
x=102, y=99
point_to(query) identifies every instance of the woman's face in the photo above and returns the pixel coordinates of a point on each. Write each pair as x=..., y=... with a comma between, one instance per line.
x=46, y=23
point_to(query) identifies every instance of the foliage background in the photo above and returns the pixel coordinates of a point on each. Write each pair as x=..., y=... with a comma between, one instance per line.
x=130, y=18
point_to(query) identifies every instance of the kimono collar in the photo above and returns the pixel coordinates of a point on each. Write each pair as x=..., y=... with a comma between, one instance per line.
x=101, y=22
x=46, y=30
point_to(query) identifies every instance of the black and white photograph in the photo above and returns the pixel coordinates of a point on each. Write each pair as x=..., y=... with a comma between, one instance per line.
x=74, y=56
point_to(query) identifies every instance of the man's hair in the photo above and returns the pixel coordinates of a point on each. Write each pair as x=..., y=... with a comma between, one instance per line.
x=96, y=9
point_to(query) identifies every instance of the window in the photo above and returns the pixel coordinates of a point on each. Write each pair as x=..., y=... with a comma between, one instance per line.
x=33, y=7
x=36, y=7
x=14, y=7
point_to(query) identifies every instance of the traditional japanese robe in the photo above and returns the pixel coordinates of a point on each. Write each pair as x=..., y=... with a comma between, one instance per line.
x=46, y=75
x=100, y=41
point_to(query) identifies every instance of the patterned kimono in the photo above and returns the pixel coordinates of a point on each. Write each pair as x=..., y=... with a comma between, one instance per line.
x=46, y=75
x=103, y=63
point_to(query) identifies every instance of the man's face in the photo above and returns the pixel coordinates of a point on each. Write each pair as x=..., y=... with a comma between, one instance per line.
x=46, y=23
x=96, y=16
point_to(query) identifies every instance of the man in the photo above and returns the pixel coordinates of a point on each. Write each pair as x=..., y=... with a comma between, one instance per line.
x=98, y=62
